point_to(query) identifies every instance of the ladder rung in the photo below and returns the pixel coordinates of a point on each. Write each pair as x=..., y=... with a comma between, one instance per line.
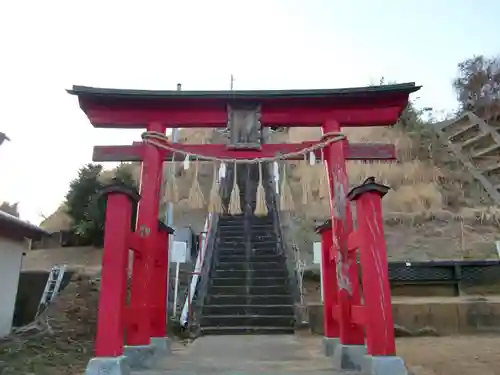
x=486, y=151
x=474, y=139
x=463, y=130
x=491, y=168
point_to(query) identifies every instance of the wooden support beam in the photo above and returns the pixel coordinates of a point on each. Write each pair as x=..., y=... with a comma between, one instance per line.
x=134, y=152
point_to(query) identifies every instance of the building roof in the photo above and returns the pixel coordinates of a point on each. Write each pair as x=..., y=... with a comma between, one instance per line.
x=355, y=92
x=14, y=228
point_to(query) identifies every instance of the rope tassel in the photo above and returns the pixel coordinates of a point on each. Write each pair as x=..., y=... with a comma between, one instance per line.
x=234, y=203
x=306, y=184
x=261, y=206
x=286, y=198
x=215, y=201
x=196, y=198
x=324, y=183
x=171, y=191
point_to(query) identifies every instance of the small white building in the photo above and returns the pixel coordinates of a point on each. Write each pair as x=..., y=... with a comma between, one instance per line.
x=14, y=241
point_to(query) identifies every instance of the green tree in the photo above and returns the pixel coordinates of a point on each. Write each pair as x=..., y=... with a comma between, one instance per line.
x=85, y=206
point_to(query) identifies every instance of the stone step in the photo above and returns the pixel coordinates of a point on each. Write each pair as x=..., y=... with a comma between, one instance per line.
x=254, y=281
x=254, y=231
x=249, y=299
x=234, y=266
x=282, y=272
x=242, y=241
x=248, y=321
x=242, y=236
x=237, y=219
x=248, y=310
x=238, y=290
x=242, y=224
x=252, y=257
x=246, y=330
x=262, y=255
x=241, y=247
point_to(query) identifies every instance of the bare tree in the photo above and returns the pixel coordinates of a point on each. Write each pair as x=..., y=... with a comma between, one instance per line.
x=478, y=86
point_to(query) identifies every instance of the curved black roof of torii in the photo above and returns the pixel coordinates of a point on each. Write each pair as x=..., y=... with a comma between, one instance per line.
x=354, y=92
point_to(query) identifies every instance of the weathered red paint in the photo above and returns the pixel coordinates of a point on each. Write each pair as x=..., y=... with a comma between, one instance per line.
x=329, y=281
x=346, y=266
x=160, y=283
x=135, y=152
x=195, y=117
x=141, y=291
x=375, y=276
x=112, y=298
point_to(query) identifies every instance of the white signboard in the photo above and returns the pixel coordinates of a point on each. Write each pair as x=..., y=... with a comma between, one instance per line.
x=179, y=252
x=178, y=255
x=317, y=260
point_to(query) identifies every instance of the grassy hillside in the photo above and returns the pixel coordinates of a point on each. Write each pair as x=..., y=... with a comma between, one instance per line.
x=434, y=209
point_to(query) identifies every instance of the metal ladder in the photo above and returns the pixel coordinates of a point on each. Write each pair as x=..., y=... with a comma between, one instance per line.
x=52, y=286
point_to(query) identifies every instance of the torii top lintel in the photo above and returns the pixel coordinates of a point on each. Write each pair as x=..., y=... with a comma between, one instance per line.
x=360, y=106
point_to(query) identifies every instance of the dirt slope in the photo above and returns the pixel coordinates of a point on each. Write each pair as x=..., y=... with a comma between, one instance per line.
x=62, y=341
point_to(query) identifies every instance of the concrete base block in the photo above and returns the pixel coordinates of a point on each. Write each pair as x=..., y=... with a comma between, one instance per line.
x=108, y=366
x=378, y=365
x=162, y=346
x=349, y=357
x=140, y=357
x=329, y=345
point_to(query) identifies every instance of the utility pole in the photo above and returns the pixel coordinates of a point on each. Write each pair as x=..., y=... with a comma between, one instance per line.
x=171, y=174
x=169, y=215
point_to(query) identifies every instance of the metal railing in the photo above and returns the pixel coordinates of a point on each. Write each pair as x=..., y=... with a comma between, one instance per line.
x=202, y=268
x=464, y=272
x=295, y=266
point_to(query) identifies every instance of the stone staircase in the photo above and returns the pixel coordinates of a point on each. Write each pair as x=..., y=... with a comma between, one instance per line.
x=249, y=289
x=476, y=144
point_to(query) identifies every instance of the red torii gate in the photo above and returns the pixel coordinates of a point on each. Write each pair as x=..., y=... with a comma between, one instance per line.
x=144, y=319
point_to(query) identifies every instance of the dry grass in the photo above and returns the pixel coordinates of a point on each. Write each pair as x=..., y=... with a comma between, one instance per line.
x=434, y=208
x=432, y=195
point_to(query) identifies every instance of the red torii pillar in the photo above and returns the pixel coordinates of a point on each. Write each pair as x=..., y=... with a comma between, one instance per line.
x=114, y=316
x=330, y=289
x=112, y=313
x=376, y=312
x=147, y=315
x=159, y=294
x=141, y=293
x=351, y=336
x=374, y=315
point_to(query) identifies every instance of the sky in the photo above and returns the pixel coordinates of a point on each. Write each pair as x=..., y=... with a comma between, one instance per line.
x=48, y=46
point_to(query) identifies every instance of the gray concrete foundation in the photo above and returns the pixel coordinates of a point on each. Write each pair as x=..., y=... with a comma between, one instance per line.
x=379, y=365
x=162, y=346
x=140, y=357
x=108, y=366
x=349, y=357
x=329, y=345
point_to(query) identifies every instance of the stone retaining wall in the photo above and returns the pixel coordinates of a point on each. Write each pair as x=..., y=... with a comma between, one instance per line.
x=434, y=316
